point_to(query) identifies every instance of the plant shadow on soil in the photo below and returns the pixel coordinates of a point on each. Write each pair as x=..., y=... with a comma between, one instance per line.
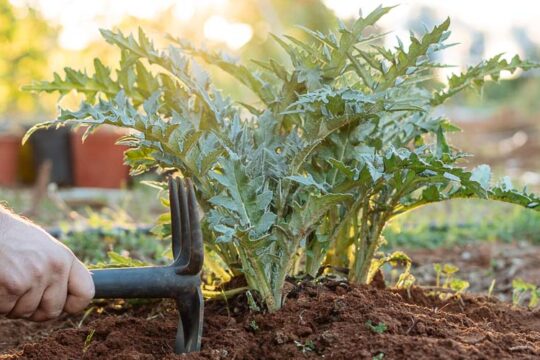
x=331, y=320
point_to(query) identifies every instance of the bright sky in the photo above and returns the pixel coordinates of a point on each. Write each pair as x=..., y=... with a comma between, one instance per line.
x=496, y=18
x=81, y=19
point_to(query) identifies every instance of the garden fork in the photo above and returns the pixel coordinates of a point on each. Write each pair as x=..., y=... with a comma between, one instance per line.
x=180, y=281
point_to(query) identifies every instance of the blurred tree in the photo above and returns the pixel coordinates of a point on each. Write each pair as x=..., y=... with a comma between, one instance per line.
x=25, y=42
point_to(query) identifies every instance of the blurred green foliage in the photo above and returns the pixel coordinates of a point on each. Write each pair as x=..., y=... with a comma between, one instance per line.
x=95, y=245
x=26, y=42
x=97, y=234
x=460, y=222
x=521, y=94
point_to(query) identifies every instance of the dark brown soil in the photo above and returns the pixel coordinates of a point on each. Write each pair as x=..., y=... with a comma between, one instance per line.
x=318, y=321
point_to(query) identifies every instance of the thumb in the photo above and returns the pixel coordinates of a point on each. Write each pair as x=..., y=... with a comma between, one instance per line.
x=80, y=288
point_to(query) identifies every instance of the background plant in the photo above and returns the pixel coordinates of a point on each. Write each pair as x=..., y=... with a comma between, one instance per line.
x=522, y=289
x=341, y=140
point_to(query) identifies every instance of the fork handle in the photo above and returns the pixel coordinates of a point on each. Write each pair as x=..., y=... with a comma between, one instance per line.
x=142, y=282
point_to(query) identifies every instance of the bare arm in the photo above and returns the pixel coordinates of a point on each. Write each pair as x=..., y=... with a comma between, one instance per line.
x=39, y=277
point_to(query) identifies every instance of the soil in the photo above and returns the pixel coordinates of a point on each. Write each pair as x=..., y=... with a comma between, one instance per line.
x=509, y=140
x=482, y=264
x=331, y=320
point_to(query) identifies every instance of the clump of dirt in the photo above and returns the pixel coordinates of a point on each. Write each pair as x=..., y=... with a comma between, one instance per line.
x=333, y=320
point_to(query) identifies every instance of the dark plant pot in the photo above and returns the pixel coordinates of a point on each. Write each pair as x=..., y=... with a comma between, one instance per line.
x=27, y=172
x=9, y=158
x=54, y=145
x=99, y=162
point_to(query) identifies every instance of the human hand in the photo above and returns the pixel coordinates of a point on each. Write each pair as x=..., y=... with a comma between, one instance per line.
x=39, y=277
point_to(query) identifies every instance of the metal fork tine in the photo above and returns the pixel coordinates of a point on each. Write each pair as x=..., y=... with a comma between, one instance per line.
x=183, y=259
x=191, y=308
x=197, y=248
x=180, y=339
x=175, y=217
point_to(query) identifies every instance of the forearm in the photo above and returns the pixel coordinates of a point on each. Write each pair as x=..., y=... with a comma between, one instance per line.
x=5, y=223
x=7, y=220
x=12, y=226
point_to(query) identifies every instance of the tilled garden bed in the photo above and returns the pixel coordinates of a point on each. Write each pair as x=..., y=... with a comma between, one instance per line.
x=332, y=320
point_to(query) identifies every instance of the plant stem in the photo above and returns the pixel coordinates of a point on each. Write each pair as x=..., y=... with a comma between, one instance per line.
x=227, y=294
x=257, y=279
x=371, y=226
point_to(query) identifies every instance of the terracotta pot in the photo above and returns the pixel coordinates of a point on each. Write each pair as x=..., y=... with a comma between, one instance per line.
x=9, y=158
x=98, y=162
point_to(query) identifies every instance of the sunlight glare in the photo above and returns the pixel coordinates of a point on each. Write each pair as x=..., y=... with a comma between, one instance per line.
x=144, y=9
x=344, y=9
x=185, y=10
x=235, y=35
x=80, y=20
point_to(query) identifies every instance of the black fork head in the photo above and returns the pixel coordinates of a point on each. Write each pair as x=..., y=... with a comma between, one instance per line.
x=188, y=252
